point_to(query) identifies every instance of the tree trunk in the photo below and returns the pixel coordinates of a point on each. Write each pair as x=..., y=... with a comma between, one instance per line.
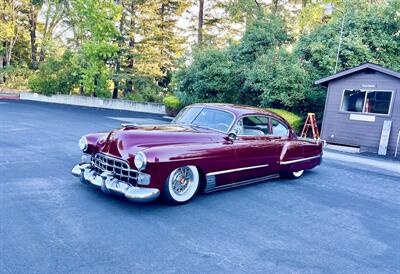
x=1, y=67
x=275, y=4
x=42, y=55
x=32, y=31
x=129, y=83
x=81, y=92
x=117, y=61
x=200, y=23
x=115, y=91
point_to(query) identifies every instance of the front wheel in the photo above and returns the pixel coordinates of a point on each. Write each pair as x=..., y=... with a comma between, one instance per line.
x=293, y=174
x=181, y=185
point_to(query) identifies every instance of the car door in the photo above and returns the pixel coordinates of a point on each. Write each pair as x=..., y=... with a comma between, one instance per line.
x=255, y=154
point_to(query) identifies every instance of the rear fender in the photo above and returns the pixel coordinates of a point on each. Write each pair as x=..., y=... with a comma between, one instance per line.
x=299, y=154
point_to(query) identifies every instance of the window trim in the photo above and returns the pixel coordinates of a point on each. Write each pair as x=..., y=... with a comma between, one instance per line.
x=215, y=108
x=284, y=124
x=249, y=115
x=366, y=94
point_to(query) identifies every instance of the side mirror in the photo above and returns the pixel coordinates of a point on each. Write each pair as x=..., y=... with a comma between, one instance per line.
x=232, y=136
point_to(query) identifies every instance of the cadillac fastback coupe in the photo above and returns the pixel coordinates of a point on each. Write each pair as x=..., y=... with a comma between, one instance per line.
x=207, y=147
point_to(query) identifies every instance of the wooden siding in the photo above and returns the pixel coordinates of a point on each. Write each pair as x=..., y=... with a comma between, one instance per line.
x=365, y=135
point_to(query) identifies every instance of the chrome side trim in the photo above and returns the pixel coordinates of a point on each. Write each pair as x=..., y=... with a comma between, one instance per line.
x=234, y=170
x=242, y=183
x=300, y=160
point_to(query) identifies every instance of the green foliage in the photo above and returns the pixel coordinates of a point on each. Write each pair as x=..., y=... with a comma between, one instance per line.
x=371, y=34
x=172, y=102
x=262, y=34
x=146, y=90
x=55, y=76
x=279, y=78
x=16, y=77
x=172, y=105
x=293, y=119
x=262, y=69
x=212, y=77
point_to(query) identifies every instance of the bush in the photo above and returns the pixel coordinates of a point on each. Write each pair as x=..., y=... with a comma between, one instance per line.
x=16, y=77
x=293, y=119
x=172, y=105
x=55, y=76
x=212, y=77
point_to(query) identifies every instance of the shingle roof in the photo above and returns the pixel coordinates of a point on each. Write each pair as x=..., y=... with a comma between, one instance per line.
x=324, y=81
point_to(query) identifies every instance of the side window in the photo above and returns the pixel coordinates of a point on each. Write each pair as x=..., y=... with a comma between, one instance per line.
x=279, y=129
x=253, y=126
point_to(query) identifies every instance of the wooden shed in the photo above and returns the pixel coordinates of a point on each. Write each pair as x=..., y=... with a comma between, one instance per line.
x=362, y=108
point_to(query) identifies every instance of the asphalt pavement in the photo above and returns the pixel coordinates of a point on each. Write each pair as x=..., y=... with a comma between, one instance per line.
x=341, y=217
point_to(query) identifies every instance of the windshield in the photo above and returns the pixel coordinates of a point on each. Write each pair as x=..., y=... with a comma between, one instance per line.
x=205, y=117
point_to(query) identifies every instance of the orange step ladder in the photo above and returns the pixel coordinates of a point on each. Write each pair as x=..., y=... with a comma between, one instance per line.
x=310, y=122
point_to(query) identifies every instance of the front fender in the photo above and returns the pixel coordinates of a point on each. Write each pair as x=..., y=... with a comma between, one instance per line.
x=96, y=142
x=207, y=157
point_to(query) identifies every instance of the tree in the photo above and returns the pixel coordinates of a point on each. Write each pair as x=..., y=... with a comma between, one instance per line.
x=94, y=23
x=281, y=80
x=212, y=77
x=261, y=34
x=200, y=23
x=54, y=13
x=370, y=35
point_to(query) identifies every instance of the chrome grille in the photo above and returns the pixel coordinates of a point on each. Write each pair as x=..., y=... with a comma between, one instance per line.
x=118, y=167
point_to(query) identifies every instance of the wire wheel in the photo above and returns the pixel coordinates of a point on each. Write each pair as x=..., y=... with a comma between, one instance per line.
x=182, y=184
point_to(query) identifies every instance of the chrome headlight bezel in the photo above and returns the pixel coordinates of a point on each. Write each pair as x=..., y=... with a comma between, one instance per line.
x=140, y=161
x=83, y=143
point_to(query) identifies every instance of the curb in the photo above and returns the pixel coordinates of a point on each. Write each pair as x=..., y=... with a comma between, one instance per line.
x=105, y=103
x=393, y=166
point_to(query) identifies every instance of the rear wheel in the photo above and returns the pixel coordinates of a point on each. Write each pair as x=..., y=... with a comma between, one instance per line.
x=293, y=174
x=181, y=185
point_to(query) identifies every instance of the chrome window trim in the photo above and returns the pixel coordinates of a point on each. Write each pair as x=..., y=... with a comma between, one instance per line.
x=234, y=170
x=214, y=108
x=249, y=115
x=300, y=160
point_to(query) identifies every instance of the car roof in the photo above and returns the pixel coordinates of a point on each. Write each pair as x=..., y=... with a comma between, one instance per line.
x=239, y=110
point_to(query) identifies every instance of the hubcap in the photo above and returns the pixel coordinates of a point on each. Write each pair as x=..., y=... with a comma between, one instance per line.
x=181, y=180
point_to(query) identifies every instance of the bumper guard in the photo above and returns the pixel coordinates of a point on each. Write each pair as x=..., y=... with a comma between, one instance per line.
x=109, y=184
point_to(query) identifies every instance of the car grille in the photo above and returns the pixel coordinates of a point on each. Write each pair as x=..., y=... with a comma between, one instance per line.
x=118, y=167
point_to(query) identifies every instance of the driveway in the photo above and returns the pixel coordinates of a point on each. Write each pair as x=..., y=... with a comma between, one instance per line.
x=340, y=217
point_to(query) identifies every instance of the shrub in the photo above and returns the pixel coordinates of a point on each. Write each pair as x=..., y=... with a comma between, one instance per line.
x=212, y=77
x=172, y=105
x=54, y=76
x=16, y=77
x=293, y=119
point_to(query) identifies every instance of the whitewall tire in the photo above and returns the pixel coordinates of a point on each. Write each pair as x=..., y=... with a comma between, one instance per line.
x=181, y=185
x=293, y=174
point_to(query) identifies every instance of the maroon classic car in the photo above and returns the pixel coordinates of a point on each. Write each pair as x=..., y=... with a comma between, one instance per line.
x=207, y=147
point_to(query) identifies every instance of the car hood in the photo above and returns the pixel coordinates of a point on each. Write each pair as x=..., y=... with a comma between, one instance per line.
x=127, y=141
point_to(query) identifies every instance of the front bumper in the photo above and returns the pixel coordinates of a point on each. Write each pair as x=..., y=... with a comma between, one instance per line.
x=109, y=184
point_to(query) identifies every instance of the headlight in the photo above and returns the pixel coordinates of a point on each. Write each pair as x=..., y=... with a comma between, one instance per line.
x=83, y=144
x=140, y=161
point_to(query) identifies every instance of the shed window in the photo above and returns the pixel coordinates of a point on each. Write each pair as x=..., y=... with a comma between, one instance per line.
x=366, y=101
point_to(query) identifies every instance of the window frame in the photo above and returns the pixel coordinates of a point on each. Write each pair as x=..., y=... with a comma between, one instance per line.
x=213, y=108
x=365, y=100
x=282, y=123
x=250, y=115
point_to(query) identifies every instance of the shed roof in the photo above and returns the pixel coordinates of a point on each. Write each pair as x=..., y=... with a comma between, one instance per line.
x=324, y=81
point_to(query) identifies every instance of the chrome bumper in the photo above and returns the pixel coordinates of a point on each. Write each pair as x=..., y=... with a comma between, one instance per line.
x=109, y=184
